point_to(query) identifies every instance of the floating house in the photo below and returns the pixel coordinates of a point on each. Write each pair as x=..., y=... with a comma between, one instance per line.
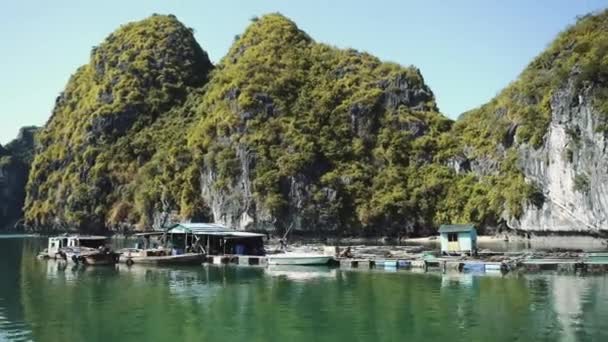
x=458, y=239
x=216, y=239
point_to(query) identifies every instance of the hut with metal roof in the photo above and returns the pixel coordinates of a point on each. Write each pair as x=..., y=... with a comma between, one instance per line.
x=217, y=239
x=458, y=239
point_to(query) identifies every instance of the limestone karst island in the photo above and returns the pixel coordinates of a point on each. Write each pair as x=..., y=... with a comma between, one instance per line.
x=249, y=179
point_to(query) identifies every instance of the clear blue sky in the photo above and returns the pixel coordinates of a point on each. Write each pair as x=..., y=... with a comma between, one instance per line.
x=467, y=50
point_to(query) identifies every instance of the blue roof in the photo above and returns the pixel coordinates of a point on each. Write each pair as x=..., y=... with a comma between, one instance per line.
x=456, y=228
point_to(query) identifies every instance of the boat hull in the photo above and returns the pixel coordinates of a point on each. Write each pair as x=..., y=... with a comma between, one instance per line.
x=76, y=254
x=299, y=260
x=183, y=259
x=99, y=259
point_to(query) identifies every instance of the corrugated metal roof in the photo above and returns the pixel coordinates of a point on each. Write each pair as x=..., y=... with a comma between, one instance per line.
x=81, y=237
x=209, y=229
x=238, y=234
x=150, y=233
x=456, y=228
x=199, y=227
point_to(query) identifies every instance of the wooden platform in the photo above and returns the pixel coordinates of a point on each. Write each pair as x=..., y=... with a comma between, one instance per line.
x=245, y=260
x=565, y=265
x=356, y=263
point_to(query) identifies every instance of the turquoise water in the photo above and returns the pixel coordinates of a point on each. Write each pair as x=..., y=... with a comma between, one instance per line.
x=43, y=301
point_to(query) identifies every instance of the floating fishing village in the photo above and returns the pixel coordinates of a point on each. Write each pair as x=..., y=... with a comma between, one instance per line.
x=280, y=170
x=210, y=243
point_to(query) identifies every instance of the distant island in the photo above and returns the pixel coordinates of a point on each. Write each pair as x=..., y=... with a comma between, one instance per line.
x=287, y=132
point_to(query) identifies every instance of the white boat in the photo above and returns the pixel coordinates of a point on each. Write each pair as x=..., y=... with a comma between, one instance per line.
x=298, y=259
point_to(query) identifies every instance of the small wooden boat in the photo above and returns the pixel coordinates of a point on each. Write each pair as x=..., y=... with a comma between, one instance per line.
x=158, y=256
x=299, y=259
x=89, y=256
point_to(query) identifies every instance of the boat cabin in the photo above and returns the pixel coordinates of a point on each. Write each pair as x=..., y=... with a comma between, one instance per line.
x=458, y=239
x=58, y=242
x=214, y=239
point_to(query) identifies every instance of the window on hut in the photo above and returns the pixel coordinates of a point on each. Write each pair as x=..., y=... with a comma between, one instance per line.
x=452, y=237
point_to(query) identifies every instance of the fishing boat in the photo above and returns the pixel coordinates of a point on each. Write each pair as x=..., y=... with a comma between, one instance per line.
x=80, y=249
x=72, y=247
x=158, y=256
x=163, y=248
x=298, y=259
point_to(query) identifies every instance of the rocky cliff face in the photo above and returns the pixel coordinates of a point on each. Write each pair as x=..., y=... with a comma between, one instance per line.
x=15, y=160
x=571, y=168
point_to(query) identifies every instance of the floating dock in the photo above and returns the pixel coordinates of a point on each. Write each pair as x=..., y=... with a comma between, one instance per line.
x=588, y=263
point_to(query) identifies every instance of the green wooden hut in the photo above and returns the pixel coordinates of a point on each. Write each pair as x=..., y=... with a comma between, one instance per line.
x=458, y=239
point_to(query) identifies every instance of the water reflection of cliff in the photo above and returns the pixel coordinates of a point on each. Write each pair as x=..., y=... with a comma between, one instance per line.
x=579, y=304
x=542, y=307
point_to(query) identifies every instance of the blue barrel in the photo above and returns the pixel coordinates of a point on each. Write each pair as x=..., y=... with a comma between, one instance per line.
x=390, y=263
x=404, y=264
x=493, y=267
x=474, y=267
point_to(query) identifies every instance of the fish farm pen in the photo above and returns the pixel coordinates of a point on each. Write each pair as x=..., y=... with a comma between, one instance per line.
x=512, y=262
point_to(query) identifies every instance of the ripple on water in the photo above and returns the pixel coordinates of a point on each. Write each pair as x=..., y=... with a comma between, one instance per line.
x=14, y=330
